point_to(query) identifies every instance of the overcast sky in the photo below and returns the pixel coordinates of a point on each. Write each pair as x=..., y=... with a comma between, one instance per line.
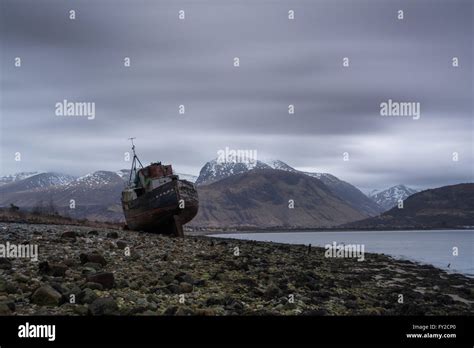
x=282, y=62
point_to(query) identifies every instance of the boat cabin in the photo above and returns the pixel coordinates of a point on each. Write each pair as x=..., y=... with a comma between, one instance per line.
x=149, y=178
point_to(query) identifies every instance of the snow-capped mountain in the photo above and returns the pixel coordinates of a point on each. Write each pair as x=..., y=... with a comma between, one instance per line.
x=99, y=178
x=214, y=171
x=7, y=179
x=96, y=195
x=123, y=173
x=259, y=198
x=188, y=177
x=280, y=165
x=37, y=181
x=446, y=207
x=390, y=197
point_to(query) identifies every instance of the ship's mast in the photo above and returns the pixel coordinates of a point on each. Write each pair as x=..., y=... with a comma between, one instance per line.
x=133, y=171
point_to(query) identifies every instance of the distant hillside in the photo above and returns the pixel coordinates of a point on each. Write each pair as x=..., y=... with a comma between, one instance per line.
x=444, y=207
x=35, y=181
x=213, y=171
x=7, y=179
x=260, y=198
x=96, y=196
x=390, y=197
x=349, y=193
x=252, y=199
x=10, y=215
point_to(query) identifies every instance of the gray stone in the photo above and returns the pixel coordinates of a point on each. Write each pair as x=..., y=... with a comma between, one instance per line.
x=103, y=306
x=122, y=283
x=46, y=296
x=184, y=311
x=121, y=244
x=94, y=265
x=93, y=286
x=69, y=234
x=4, y=309
x=174, y=289
x=93, y=258
x=21, y=278
x=185, y=288
x=113, y=235
x=106, y=279
x=58, y=269
x=5, y=263
x=80, y=309
x=272, y=292
x=87, y=296
x=184, y=277
x=3, y=285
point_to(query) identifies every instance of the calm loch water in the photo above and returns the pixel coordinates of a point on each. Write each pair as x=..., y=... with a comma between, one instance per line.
x=431, y=247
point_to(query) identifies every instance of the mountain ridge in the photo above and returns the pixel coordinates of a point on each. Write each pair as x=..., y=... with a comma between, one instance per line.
x=262, y=198
x=390, y=197
x=213, y=171
x=449, y=206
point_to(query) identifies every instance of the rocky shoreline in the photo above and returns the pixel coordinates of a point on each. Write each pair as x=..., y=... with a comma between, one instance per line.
x=98, y=271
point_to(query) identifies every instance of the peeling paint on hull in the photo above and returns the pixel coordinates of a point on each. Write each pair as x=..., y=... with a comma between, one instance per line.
x=155, y=211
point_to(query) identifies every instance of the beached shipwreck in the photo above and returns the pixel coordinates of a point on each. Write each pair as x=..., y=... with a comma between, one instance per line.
x=156, y=200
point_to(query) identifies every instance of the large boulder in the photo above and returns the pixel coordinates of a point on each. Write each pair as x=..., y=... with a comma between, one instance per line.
x=106, y=279
x=46, y=296
x=103, y=306
x=93, y=257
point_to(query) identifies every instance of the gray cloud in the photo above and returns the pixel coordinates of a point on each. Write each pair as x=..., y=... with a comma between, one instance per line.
x=282, y=62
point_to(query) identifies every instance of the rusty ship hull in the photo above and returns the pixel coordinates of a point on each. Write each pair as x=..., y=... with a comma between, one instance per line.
x=164, y=209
